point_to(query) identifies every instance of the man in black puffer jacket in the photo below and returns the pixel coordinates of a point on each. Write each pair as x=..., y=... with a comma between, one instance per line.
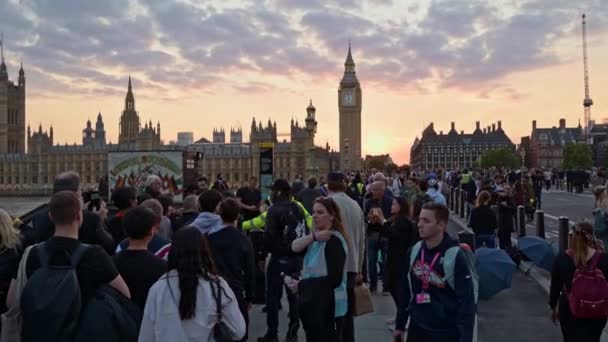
x=285, y=222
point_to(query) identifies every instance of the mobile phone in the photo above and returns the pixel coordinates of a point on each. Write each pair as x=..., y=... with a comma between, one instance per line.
x=95, y=200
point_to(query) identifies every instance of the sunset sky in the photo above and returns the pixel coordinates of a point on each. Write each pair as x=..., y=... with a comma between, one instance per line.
x=200, y=64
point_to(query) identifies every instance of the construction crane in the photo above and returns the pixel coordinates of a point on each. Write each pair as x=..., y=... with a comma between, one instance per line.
x=587, y=102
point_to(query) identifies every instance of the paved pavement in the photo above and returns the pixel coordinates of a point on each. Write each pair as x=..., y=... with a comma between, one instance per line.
x=559, y=203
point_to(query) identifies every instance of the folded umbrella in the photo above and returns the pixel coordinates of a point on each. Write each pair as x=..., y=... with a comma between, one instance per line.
x=538, y=250
x=495, y=269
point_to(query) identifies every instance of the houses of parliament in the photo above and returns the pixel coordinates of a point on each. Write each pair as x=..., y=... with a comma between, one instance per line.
x=30, y=158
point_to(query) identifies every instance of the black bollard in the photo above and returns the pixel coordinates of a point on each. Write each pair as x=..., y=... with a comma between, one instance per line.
x=463, y=200
x=564, y=230
x=540, y=224
x=495, y=210
x=468, y=237
x=521, y=220
x=451, y=199
x=456, y=200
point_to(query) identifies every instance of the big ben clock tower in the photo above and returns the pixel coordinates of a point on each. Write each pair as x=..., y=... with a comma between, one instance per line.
x=349, y=104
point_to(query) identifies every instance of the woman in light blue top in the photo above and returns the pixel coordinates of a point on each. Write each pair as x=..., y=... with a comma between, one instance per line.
x=322, y=287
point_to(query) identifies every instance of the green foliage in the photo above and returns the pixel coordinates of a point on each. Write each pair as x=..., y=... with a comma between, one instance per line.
x=390, y=168
x=502, y=157
x=577, y=156
x=375, y=163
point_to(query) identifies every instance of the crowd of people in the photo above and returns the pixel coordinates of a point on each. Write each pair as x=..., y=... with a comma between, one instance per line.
x=139, y=268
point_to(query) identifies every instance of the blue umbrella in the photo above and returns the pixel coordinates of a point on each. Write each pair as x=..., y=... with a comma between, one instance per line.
x=541, y=252
x=495, y=269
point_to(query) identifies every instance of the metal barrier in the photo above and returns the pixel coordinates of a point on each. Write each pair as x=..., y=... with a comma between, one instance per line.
x=564, y=230
x=540, y=224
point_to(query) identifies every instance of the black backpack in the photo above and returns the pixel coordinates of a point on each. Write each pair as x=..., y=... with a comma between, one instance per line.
x=109, y=316
x=51, y=300
x=294, y=223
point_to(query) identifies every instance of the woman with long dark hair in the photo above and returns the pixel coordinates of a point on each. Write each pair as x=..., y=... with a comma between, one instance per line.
x=584, y=254
x=401, y=235
x=181, y=305
x=322, y=288
x=483, y=221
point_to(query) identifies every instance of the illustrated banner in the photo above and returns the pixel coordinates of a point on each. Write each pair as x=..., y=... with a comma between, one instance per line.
x=132, y=169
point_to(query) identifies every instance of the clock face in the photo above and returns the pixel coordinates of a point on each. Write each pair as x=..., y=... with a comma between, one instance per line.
x=348, y=97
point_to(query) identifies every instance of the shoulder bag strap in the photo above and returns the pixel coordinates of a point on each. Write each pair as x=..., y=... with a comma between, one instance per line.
x=43, y=254
x=78, y=253
x=217, y=295
x=22, y=274
x=595, y=259
x=171, y=291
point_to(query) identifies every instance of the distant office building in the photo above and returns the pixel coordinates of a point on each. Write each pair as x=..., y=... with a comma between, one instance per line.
x=544, y=147
x=456, y=150
x=185, y=138
x=599, y=144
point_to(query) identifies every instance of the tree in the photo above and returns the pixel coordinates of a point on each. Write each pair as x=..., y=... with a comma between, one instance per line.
x=390, y=168
x=577, y=156
x=375, y=163
x=502, y=157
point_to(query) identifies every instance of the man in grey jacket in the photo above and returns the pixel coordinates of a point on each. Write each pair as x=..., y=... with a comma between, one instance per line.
x=352, y=216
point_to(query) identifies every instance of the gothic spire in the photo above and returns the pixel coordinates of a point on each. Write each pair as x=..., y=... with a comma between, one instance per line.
x=2, y=47
x=130, y=99
x=349, y=58
x=3, y=71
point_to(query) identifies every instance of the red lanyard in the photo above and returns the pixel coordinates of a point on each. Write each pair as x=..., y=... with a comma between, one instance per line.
x=426, y=273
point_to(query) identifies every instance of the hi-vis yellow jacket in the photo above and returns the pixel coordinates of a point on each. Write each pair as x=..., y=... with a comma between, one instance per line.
x=259, y=222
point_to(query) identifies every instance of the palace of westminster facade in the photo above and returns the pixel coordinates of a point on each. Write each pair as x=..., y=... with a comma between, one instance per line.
x=33, y=170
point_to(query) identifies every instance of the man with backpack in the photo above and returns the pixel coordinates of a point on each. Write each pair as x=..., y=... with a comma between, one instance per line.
x=285, y=222
x=439, y=289
x=62, y=275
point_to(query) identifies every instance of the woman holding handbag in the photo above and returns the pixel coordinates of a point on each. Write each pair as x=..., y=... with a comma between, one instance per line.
x=322, y=287
x=179, y=306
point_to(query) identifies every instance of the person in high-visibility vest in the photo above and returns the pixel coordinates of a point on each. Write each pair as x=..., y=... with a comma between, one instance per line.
x=465, y=178
x=259, y=222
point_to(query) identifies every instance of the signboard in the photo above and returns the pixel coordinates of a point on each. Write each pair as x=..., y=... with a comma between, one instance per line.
x=132, y=169
x=266, y=169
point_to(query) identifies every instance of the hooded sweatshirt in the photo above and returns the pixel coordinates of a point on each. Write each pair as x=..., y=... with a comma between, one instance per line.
x=208, y=223
x=451, y=312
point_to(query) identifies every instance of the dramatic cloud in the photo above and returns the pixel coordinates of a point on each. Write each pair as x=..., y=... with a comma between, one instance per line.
x=470, y=45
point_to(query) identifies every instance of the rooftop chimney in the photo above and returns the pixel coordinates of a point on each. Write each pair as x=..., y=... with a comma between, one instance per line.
x=499, y=124
x=477, y=124
x=484, y=131
x=461, y=132
x=440, y=132
x=453, y=125
x=493, y=127
x=562, y=123
x=533, y=125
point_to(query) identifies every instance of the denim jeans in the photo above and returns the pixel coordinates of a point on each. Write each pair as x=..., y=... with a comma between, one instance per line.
x=488, y=239
x=373, y=246
x=274, y=292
